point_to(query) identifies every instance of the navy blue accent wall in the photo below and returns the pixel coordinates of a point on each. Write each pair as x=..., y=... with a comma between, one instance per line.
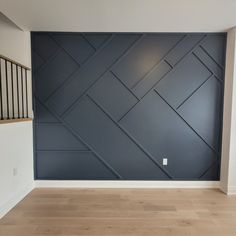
x=112, y=106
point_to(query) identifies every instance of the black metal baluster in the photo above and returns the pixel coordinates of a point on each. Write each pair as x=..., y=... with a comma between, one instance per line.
x=1, y=89
x=26, y=94
x=12, y=92
x=7, y=98
x=17, y=91
x=22, y=93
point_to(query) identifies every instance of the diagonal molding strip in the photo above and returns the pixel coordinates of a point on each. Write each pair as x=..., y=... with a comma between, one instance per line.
x=217, y=154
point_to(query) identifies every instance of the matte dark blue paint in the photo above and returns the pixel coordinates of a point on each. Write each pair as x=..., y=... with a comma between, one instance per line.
x=112, y=106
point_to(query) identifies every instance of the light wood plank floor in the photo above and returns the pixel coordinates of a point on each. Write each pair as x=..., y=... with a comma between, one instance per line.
x=70, y=212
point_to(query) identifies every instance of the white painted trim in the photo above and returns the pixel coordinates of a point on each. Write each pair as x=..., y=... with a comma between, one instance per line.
x=7, y=206
x=231, y=190
x=223, y=188
x=124, y=184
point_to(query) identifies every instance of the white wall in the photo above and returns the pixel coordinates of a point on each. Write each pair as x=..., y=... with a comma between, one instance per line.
x=16, y=163
x=16, y=143
x=14, y=43
x=228, y=161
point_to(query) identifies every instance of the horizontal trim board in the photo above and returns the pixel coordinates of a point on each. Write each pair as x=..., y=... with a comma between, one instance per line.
x=7, y=121
x=124, y=184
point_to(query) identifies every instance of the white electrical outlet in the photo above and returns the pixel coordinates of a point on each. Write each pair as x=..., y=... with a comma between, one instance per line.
x=165, y=162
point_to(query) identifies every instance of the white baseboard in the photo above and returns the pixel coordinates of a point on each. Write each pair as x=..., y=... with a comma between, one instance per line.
x=4, y=208
x=228, y=190
x=231, y=190
x=124, y=184
x=7, y=206
x=224, y=189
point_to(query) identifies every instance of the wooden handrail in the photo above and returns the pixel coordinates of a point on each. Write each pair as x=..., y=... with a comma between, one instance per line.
x=7, y=121
x=14, y=62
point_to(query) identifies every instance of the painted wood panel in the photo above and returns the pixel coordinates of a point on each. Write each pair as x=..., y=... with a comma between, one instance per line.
x=112, y=106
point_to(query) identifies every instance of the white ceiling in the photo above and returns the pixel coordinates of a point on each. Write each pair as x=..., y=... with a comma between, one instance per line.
x=122, y=15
